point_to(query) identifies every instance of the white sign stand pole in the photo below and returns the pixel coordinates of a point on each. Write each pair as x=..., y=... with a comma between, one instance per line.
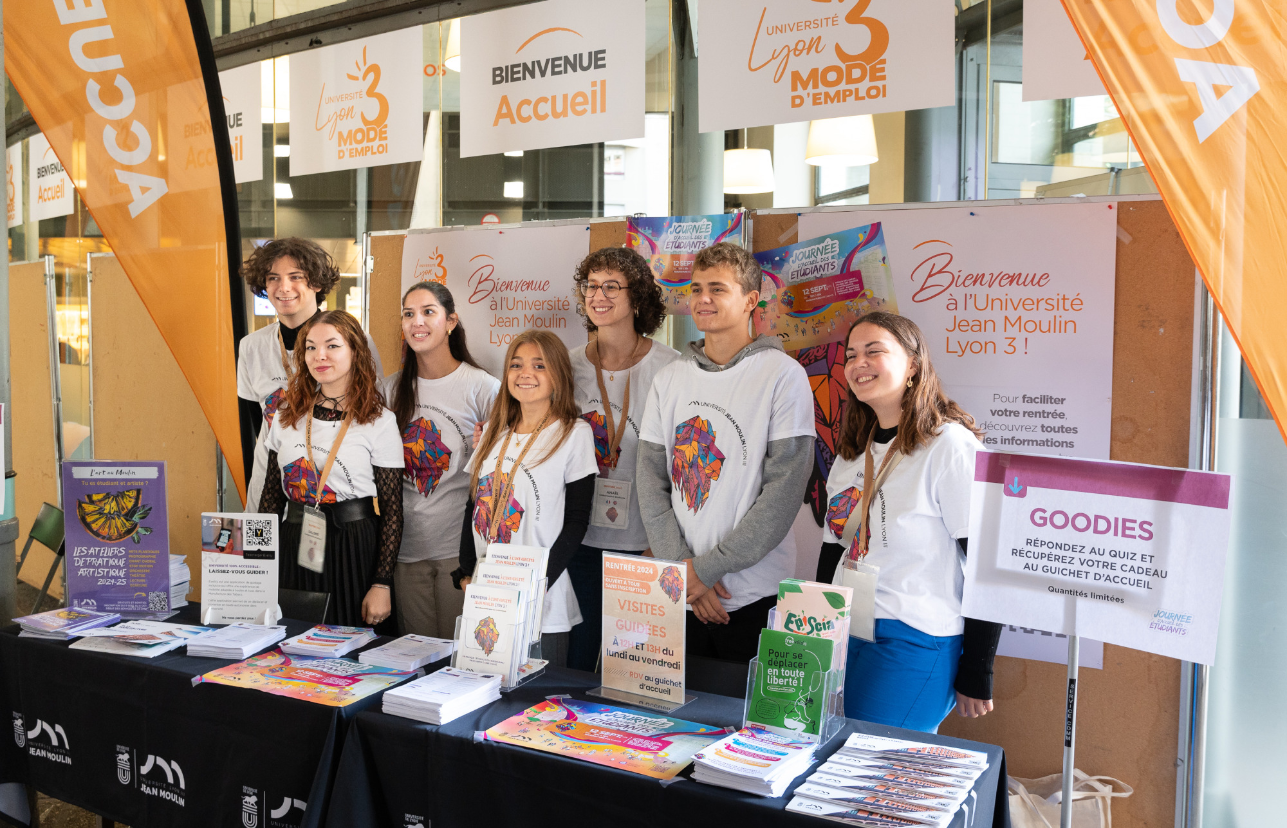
x=1070, y=733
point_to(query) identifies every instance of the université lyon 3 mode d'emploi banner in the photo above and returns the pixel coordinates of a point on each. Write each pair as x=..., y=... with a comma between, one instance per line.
x=783, y=61
x=552, y=74
x=1016, y=303
x=117, y=536
x=1129, y=554
x=503, y=282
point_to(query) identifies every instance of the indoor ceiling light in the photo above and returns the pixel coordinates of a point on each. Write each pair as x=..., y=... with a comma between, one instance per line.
x=513, y=189
x=748, y=171
x=842, y=142
x=282, y=190
x=274, y=78
x=281, y=150
x=514, y=154
x=451, y=57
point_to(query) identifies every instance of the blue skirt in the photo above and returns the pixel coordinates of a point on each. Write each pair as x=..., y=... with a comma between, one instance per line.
x=904, y=678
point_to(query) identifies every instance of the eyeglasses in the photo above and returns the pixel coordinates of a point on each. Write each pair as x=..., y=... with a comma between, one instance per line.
x=609, y=289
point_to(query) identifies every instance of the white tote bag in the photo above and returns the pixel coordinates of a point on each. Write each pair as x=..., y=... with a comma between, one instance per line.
x=1035, y=803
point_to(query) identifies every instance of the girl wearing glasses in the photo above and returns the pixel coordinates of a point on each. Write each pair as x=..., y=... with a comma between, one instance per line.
x=623, y=306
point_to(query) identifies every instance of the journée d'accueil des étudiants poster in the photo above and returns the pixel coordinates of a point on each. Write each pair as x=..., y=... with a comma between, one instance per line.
x=671, y=243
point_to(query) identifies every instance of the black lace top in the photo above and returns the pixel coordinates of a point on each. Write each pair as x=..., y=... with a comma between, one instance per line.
x=388, y=487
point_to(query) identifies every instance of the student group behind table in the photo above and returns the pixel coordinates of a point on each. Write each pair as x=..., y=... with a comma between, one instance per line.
x=901, y=541
x=725, y=451
x=295, y=275
x=437, y=398
x=622, y=306
x=332, y=539
x=532, y=476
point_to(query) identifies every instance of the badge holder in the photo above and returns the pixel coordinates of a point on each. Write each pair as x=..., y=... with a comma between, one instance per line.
x=833, y=715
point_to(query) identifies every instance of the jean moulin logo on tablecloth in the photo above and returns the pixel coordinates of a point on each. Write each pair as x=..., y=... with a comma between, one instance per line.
x=19, y=730
x=124, y=765
x=58, y=749
x=255, y=802
x=173, y=787
x=413, y=821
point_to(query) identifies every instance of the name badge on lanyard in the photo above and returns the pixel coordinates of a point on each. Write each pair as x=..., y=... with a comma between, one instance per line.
x=312, y=534
x=857, y=574
x=612, y=497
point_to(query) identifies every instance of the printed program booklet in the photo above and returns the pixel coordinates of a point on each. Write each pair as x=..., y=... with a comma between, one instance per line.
x=789, y=694
x=811, y=608
x=140, y=638
x=533, y=558
x=492, y=637
x=442, y=696
x=755, y=761
x=408, y=652
x=62, y=624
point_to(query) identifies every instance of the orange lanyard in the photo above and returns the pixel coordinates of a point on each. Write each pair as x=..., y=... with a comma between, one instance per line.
x=501, y=500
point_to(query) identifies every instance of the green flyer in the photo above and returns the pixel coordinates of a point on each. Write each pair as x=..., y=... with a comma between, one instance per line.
x=789, y=696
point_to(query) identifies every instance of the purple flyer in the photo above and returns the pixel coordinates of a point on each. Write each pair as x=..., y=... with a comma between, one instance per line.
x=118, y=538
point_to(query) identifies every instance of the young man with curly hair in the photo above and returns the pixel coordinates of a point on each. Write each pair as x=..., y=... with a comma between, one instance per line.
x=295, y=275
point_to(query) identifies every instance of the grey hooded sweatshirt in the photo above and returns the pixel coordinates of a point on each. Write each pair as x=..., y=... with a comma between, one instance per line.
x=787, y=464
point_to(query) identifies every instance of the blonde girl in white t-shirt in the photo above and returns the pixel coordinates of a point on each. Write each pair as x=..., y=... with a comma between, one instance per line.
x=926, y=658
x=532, y=476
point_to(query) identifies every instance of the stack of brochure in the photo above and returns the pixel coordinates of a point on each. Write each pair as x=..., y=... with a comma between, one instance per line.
x=180, y=579
x=64, y=624
x=235, y=641
x=141, y=639
x=755, y=761
x=408, y=652
x=875, y=778
x=328, y=641
x=442, y=696
x=504, y=605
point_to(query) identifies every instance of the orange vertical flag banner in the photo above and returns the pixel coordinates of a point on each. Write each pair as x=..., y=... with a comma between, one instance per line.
x=114, y=85
x=1200, y=87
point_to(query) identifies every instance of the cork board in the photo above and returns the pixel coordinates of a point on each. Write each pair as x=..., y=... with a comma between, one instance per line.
x=385, y=325
x=1128, y=713
x=31, y=412
x=143, y=408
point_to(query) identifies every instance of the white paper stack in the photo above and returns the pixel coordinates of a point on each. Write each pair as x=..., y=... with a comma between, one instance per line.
x=64, y=624
x=180, y=580
x=235, y=641
x=409, y=652
x=876, y=780
x=140, y=639
x=329, y=641
x=755, y=761
x=442, y=696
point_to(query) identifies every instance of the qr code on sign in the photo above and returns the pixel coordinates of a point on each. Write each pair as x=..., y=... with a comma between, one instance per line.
x=158, y=601
x=260, y=534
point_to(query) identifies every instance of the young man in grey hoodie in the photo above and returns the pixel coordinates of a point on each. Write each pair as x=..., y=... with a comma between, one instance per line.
x=725, y=450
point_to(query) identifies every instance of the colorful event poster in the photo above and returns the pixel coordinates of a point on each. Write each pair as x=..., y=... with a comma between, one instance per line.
x=335, y=682
x=815, y=289
x=671, y=243
x=117, y=536
x=238, y=568
x=631, y=740
x=644, y=627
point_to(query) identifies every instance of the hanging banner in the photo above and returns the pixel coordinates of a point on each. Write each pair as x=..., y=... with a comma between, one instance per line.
x=357, y=104
x=1055, y=64
x=52, y=194
x=1016, y=304
x=503, y=282
x=552, y=74
x=783, y=61
x=814, y=290
x=109, y=84
x=1118, y=552
x=243, y=109
x=13, y=183
x=1201, y=96
x=671, y=243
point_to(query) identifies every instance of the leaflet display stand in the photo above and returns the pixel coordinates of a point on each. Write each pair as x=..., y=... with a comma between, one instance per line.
x=521, y=672
x=833, y=719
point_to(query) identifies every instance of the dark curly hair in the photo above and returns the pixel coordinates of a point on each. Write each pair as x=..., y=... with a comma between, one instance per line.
x=323, y=275
x=643, y=290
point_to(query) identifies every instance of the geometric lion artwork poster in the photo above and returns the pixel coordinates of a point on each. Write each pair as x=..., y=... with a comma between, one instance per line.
x=825, y=367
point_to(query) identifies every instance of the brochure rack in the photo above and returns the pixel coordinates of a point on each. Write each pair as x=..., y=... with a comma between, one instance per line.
x=521, y=671
x=834, y=711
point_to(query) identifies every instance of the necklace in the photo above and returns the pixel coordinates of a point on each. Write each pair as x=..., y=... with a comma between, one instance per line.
x=612, y=374
x=333, y=400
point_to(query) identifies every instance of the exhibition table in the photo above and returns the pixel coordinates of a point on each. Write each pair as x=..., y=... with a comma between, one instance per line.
x=399, y=773
x=133, y=740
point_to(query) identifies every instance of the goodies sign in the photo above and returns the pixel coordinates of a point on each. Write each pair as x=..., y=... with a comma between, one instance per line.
x=357, y=104
x=504, y=282
x=1055, y=63
x=1128, y=554
x=552, y=74
x=1016, y=304
x=644, y=627
x=781, y=61
x=117, y=535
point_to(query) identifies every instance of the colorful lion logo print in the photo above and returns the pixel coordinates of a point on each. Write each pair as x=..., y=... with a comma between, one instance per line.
x=271, y=403
x=300, y=480
x=672, y=584
x=695, y=462
x=485, y=500
x=425, y=456
x=840, y=508
x=599, y=426
x=487, y=634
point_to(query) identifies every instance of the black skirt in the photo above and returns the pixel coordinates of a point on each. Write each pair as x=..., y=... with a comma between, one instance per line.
x=348, y=573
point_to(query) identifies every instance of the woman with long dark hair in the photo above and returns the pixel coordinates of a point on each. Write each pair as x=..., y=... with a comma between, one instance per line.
x=898, y=512
x=332, y=449
x=437, y=398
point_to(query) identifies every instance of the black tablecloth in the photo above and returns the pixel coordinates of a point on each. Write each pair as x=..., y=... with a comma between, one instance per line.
x=398, y=772
x=133, y=740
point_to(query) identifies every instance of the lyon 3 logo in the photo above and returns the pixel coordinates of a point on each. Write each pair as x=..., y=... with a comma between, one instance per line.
x=336, y=112
x=431, y=268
